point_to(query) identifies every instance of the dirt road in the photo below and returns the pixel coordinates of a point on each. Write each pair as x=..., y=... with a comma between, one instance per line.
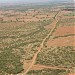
x=54, y=24
x=37, y=67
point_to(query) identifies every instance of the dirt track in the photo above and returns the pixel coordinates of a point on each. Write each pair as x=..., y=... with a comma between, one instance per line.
x=37, y=67
x=54, y=24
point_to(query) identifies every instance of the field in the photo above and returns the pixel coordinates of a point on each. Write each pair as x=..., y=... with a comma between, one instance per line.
x=37, y=41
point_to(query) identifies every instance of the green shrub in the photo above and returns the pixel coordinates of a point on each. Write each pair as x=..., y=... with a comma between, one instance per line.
x=10, y=63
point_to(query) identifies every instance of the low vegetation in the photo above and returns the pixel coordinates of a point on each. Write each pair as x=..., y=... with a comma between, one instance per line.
x=10, y=62
x=70, y=14
x=48, y=72
x=57, y=56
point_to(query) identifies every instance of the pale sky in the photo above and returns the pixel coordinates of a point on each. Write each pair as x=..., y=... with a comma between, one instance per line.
x=8, y=1
x=28, y=1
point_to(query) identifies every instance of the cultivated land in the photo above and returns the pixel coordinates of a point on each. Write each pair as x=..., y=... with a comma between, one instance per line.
x=38, y=40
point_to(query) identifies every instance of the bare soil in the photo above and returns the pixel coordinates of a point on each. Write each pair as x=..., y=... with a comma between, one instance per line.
x=63, y=30
x=40, y=67
x=62, y=41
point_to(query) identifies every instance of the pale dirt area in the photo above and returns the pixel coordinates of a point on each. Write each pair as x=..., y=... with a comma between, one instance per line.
x=32, y=19
x=64, y=30
x=26, y=64
x=4, y=26
x=47, y=15
x=68, y=17
x=40, y=67
x=48, y=27
x=8, y=19
x=25, y=16
x=62, y=41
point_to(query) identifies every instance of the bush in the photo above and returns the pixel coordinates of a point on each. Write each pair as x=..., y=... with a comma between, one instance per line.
x=57, y=56
x=48, y=72
x=10, y=63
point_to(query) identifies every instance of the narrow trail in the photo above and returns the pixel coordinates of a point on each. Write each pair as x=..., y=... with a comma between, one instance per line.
x=54, y=24
x=50, y=67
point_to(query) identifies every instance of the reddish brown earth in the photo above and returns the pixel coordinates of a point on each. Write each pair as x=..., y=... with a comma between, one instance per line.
x=62, y=41
x=40, y=67
x=72, y=74
x=63, y=30
x=67, y=17
x=4, y=26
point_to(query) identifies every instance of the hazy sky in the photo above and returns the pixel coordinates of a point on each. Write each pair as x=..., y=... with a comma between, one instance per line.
x=27, y=1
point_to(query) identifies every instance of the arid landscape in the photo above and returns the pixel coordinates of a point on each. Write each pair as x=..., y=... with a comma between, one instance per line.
x=37, y=39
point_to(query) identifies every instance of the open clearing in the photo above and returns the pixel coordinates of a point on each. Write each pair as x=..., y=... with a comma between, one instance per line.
x=64, y=30
x=62, y=41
